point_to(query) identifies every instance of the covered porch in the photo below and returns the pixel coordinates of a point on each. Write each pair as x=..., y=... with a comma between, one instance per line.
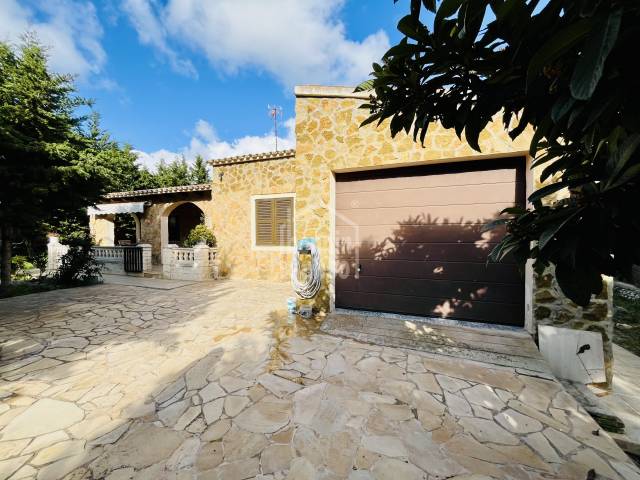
x=144, y=232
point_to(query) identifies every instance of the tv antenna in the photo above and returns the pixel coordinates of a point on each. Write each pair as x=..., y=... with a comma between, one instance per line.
x=275, y=112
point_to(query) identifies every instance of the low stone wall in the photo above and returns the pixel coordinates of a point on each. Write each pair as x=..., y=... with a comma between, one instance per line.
x=197, y=263
x=551, y=307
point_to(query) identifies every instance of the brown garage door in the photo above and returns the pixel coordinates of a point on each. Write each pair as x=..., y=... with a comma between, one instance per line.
x=408, y=240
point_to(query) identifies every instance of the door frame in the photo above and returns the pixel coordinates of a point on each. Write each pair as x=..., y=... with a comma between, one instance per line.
x=529, y=325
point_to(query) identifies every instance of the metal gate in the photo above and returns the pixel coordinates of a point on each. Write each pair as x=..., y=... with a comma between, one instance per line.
x=133, y=259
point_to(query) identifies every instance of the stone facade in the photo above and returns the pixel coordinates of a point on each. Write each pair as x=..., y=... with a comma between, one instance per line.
x=233, y=222
x=328, y=140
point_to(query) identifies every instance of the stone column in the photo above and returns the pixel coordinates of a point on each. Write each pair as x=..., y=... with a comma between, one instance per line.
x=167, y=260
x=146, y=256
x=202, y=269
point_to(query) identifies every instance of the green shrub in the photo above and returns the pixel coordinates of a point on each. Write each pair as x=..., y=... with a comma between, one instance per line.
x=19, y=263
x=78, y=266
x=40, y=262
x=200, y=234
x=19, y=266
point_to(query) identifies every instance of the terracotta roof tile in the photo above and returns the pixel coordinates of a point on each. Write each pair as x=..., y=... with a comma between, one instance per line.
x=253, y=157
x=201, y=187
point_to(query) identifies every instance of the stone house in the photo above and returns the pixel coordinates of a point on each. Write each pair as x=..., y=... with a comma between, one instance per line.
x=398, y=225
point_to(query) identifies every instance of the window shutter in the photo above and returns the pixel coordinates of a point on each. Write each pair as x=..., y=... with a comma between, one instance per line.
x=274, y=221
x=264, y=222
x=284, y=221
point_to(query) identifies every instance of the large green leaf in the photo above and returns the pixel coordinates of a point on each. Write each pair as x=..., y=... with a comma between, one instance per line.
x=560, y=43
x=548, y=190
x=588, y=70
x=622, y=155
x=547, y=235
x=579, y=281
x=410, y=27
x=445, y=10
x=430, y=5
x=365, y=86
x=493, y=224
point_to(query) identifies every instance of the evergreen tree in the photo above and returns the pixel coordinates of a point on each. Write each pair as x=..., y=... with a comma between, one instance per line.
x=115, y=163
x=45, y=179
x=199, y=172
x=173, y=174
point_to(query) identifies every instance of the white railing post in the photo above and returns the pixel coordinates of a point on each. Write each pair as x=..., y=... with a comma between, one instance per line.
x=55, y=250
x=168, y=260
x=146, y=257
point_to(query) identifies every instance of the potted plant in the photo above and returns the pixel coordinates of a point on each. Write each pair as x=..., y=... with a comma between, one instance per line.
x=200, y=235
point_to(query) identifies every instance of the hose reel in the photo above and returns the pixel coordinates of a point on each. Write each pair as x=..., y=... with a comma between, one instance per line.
x=308, y=287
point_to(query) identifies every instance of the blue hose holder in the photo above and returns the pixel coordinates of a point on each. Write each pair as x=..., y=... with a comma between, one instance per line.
x=291, y=305
x=304, y=244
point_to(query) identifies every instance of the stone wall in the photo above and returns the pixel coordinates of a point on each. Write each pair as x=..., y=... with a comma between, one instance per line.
x=328, y=140
x=233, y=222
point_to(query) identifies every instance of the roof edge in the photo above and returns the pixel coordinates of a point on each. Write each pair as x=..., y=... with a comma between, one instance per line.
x=324, y=91
x=198, y=187
x=253, y=157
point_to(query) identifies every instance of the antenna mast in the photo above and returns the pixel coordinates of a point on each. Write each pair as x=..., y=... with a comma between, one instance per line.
x=275, y=112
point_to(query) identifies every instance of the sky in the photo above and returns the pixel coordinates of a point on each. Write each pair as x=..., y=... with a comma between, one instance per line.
x=189, y=77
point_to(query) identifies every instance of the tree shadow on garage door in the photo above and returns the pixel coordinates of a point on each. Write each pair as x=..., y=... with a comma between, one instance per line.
x=429, y=266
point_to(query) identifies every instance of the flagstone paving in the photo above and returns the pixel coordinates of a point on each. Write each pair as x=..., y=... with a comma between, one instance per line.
x=210, y=381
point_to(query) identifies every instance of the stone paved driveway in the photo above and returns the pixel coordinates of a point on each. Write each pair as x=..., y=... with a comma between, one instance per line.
x=209, y=381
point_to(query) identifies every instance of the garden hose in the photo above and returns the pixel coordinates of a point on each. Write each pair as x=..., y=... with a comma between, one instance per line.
x=308, y=287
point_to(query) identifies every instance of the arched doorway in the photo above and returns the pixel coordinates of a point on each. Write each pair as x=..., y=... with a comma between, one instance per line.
x=180, y=219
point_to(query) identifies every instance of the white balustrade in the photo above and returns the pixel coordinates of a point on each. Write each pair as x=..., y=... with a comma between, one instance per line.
x=111, y=257
x=108, y=254
x=197, y=263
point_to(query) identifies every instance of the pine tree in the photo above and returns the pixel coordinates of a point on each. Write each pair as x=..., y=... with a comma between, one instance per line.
x=199, y=172
x=43, y=176
x=173, y=174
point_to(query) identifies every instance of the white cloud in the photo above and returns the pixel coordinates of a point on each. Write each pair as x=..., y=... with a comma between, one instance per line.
x=296, y=41
x=152, y=32
x=151, y=160
x=206, y=142
x=69, y=28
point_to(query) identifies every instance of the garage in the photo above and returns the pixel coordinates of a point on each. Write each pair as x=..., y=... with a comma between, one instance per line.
x=409, y=240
